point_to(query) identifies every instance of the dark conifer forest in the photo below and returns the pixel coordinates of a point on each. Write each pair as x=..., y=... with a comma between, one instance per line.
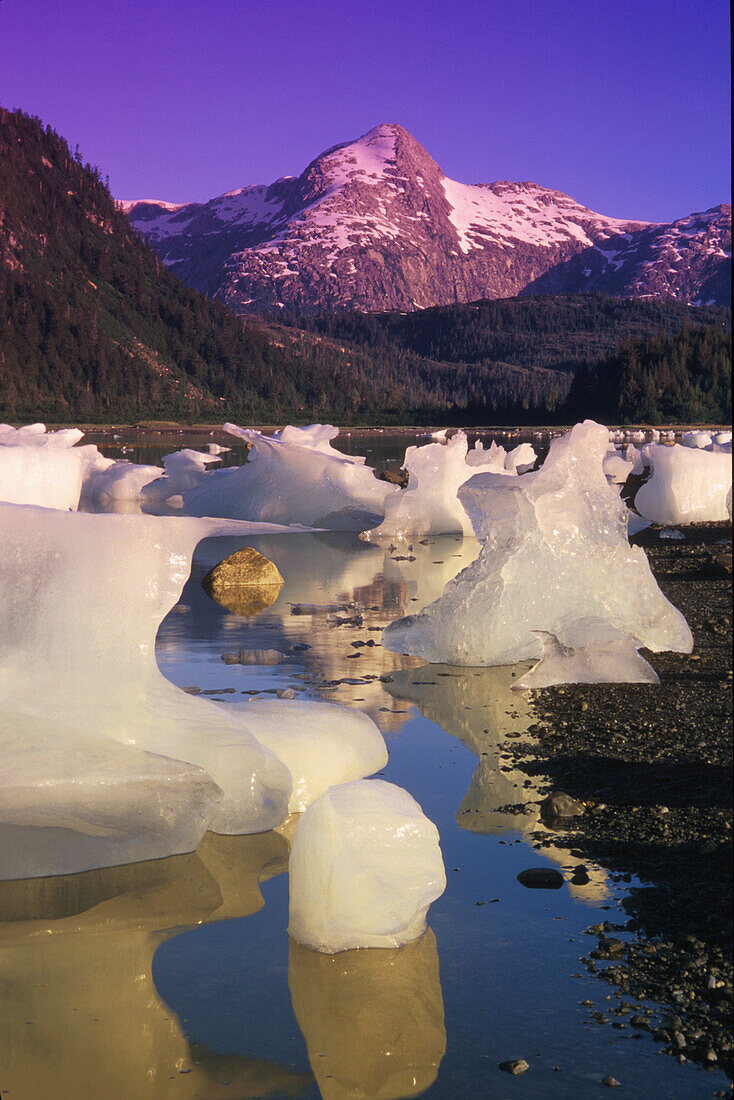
x=93, y=328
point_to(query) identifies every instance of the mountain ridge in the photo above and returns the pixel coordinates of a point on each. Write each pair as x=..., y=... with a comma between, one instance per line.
x=375, y=224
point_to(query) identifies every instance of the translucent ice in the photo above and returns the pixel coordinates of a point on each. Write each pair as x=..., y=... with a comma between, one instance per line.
x=600, y=662
x=688, y=485
x=521, y=459
x=696, y=439
x=107, y=480
x=40, y=467
x=320, y=743
x=429, y=504
x=365, y=865
x=554, y=556
x=616, y=468
x=185, y=470
x=81, y=599
x=294, y=477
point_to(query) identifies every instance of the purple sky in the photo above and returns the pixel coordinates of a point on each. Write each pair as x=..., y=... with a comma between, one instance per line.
x=623, y=104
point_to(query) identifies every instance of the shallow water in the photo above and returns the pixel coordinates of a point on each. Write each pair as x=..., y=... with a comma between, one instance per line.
x=176, y=979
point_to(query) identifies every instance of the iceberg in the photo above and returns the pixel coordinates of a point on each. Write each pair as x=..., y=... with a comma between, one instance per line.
x=365, y=866
x=184, y=470
x=40, y=467
x=688, y=485
x=70, y=660
x=429, y=504
x=521, y=459
x=322, y=744
x=295, y=476
x=554, y=557
x=612, y=661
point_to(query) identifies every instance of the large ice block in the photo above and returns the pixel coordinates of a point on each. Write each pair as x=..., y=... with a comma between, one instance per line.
x=365, y=865
x=320, y=743
x=72, y=800
x=184, y=470
x=688, y=485
x=40, y=467
x=294, y=477
x=554, y=557
x=81, y=599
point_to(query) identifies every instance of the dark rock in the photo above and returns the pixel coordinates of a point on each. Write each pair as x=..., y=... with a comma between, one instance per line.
x=560, y=807
x=541, y=878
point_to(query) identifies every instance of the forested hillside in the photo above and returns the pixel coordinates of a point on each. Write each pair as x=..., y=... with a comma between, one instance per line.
x=94, y=328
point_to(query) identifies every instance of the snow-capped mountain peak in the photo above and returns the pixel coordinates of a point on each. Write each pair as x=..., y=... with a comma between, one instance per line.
x=374, y=224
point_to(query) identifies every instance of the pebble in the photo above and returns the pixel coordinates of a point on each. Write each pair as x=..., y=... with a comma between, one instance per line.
x=515, y=1067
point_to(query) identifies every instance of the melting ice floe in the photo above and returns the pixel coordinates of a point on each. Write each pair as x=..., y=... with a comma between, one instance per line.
x=554, y=557
x=295, y=476
x=81, y=599
x=688, y=484
x=40, y=467
x=365, y=866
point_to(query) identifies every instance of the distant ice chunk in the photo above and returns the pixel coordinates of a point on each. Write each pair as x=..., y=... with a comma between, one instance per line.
x=40, y=467
x=295, y=476
x=429, y=504
x=614, y=661
x=184, y=470
x=364, y=867
x=491, y=459
x=696, y=439
x=554, y=557
x=616, y=468
x=81, y=599
x=321, y=744
x=688, y=485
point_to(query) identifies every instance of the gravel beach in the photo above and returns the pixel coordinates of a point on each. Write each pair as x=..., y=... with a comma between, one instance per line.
x=651, y=766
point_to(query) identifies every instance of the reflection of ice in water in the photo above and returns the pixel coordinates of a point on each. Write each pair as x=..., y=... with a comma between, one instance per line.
x=479, y=707
x=333, y=568
x=76, y=957
x=372, y=1019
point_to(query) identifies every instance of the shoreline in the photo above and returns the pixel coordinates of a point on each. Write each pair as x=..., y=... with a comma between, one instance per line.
x=651, y=766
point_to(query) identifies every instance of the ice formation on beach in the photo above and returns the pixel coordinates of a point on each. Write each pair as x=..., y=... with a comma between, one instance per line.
x=295, y=476
x=365, y=866
x=70, y=660
x=554, y=557
x=697, y=440
x=492, y=459
x=40, y=467
x=688, y=485
x=321, y=744
x=109, y=481
x=521, y=459
x=612, y=661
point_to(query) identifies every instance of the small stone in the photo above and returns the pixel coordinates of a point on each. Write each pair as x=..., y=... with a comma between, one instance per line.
x=610, y=1082
x=519, y=1065
x=560, y=807
x=285, y=693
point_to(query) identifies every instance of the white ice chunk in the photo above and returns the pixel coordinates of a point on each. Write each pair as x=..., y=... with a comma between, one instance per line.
x=636, y=458
x=364, y=867
x=721, y=438
x=429, y=504
x=688, y=485
x=521, y=459
x=696, y=439
x=616, y=468
x=40, y=467
x=81, y=599
x=320, y=743
x=555, y=555
x=118, y=480
x=614, y=661
x=185, y=470
x=491, y=460
x=294, y=478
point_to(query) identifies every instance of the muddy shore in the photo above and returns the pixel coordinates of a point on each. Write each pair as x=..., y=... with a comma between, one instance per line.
x=651, y=766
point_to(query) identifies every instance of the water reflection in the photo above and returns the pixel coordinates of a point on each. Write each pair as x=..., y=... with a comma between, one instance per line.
x=478, y=706
x=372, y=1018
x=80, y=1014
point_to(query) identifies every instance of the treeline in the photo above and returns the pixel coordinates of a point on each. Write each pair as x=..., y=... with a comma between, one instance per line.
x=660, y=379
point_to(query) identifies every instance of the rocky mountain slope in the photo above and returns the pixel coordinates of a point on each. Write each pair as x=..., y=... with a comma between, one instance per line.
x=374, y=224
